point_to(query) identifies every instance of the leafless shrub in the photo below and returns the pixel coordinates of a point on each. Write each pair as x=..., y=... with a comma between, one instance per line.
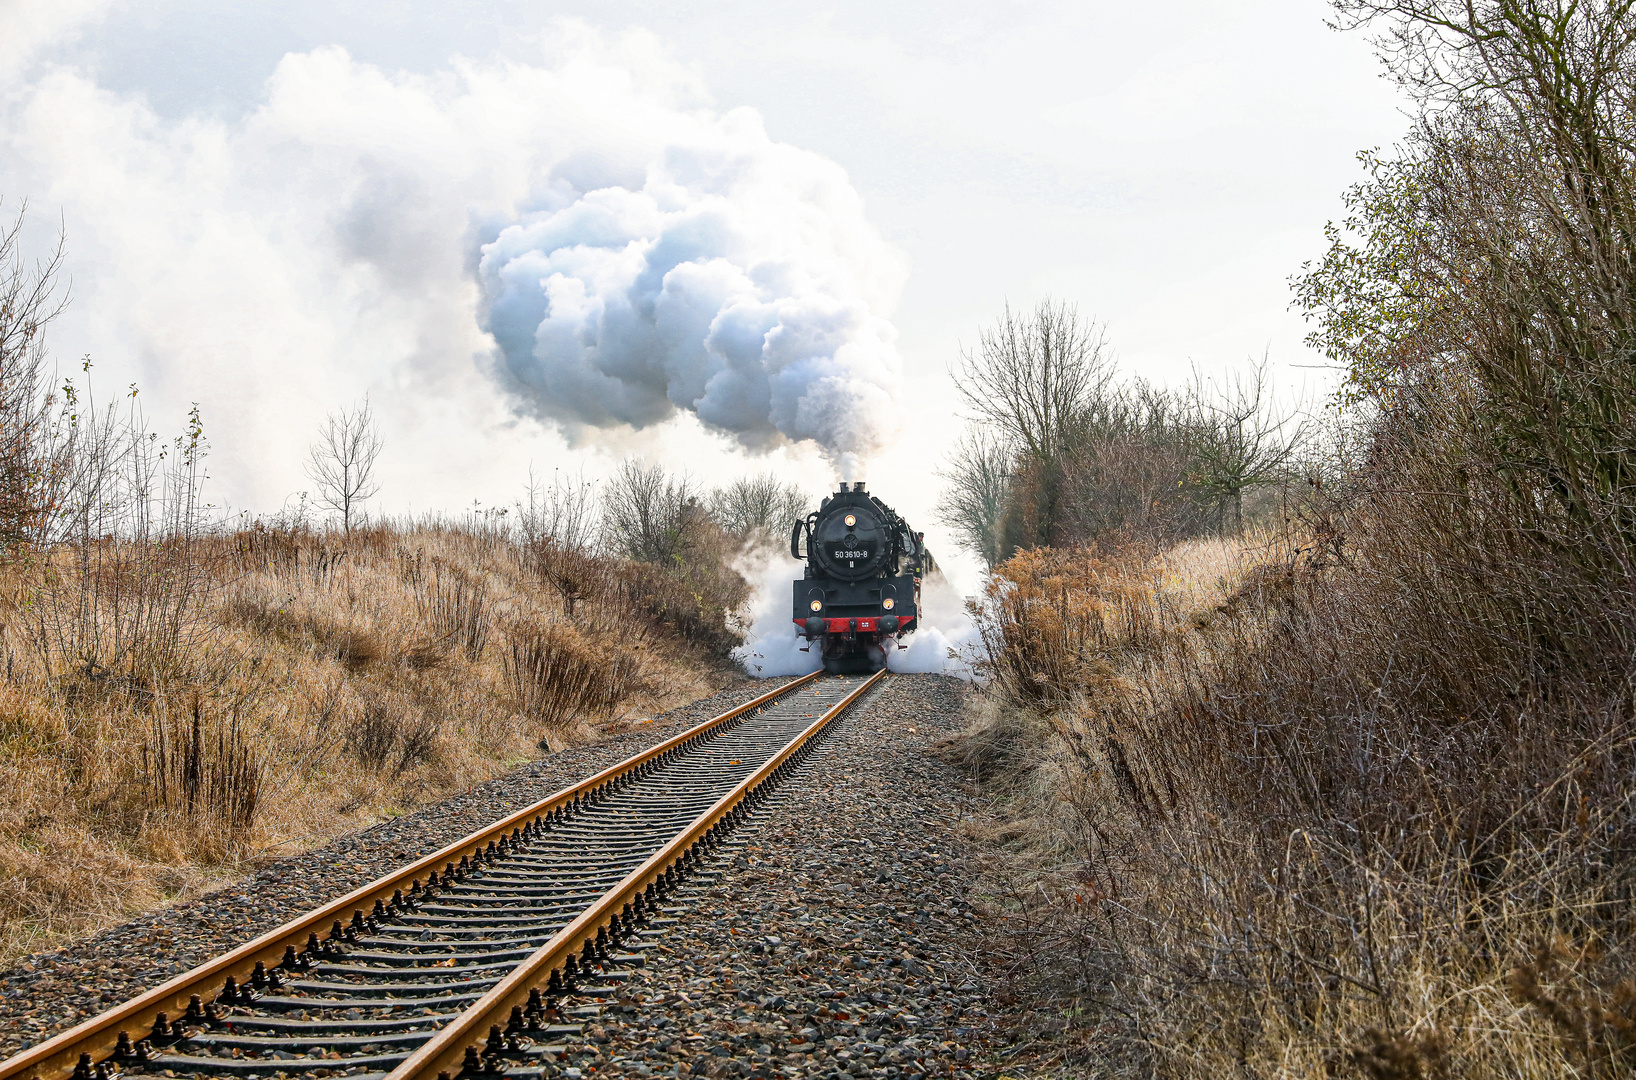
x=557, y=676
x=455, y=606
x=203, y=767
x=692, y=600
x=652, y=516
x=31, y=457
x=124, y=592
x=758, y=509
x=417, y=744
x=373, y=734
x=566, y=514
x=393, y=733
x=1133, y=473
x=575, y=574
x=677, y=560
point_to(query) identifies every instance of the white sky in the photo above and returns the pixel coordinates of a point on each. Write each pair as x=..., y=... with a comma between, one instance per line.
x=1165, y=166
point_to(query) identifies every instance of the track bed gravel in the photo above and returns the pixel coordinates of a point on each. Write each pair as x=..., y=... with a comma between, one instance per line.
x=834, y=943
x=829, y=939
x=55, y=990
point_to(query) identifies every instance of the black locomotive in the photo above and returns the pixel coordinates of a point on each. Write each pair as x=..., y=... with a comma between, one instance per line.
x=861, y=589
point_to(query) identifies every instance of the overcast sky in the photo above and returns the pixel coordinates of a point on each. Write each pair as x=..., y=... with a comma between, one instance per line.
x=275, y=209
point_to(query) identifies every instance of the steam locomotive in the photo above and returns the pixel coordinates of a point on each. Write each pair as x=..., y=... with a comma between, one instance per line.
x=861, y=588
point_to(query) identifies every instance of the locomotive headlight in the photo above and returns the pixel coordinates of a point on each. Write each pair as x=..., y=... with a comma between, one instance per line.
x=817, y=605
x=851, y=521
x=888, y=603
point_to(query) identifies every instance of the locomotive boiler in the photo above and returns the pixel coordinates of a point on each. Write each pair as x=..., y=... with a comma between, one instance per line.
x=860, y=591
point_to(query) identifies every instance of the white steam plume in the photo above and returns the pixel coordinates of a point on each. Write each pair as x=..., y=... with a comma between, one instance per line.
x=946, y=642
x=771, y=647
x=739, y=281
x=357, y=231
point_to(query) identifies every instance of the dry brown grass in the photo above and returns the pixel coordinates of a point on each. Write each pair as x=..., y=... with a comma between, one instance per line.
x=169, y=720
x=1264, y=812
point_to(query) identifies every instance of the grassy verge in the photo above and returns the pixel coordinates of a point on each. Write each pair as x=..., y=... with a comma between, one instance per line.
x=174, y=714
x=1279, y=809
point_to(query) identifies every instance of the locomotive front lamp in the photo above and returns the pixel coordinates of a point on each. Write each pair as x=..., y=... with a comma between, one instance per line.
x=817, y=605
x=888, y=603
x=851, y=521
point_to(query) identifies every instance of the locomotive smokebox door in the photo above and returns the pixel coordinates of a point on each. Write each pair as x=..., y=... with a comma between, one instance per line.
x=850, y=545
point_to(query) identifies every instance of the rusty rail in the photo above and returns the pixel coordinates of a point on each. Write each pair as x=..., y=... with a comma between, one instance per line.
x=57, y=1057
x=464, y=1040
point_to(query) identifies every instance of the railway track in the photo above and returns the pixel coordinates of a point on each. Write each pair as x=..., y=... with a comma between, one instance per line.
x=477, y=960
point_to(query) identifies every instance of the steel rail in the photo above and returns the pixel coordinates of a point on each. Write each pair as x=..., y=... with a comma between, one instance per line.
x=56, y=1058
x=445, y=1054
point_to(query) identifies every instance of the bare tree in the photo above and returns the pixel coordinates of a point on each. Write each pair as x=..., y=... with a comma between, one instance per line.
x=650, y=515
x=32, y=459
x=1032, y=383
x=342, y=461
x=758, y=507
x=974, y=502
x=564, y=514
x=1130, y=468
x=1241, y=440
x=1033, y=377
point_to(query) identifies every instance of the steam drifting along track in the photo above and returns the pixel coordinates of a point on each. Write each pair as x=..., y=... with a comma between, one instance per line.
x=459, y=963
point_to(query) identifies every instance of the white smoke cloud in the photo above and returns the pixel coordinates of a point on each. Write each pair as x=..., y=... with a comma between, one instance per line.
x=771, y=646
x=636, y=253
x=947, y=641
x=735, y=283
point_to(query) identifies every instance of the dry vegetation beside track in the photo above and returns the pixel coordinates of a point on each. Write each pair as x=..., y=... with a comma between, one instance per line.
x=177, y=714
x=1255, y=812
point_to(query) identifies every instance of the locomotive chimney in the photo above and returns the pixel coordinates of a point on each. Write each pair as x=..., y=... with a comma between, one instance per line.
x=858, y=486
x=844, y=488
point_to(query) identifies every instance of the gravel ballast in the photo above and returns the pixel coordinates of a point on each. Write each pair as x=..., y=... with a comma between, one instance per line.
x=834, y=941
x=829, y=938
